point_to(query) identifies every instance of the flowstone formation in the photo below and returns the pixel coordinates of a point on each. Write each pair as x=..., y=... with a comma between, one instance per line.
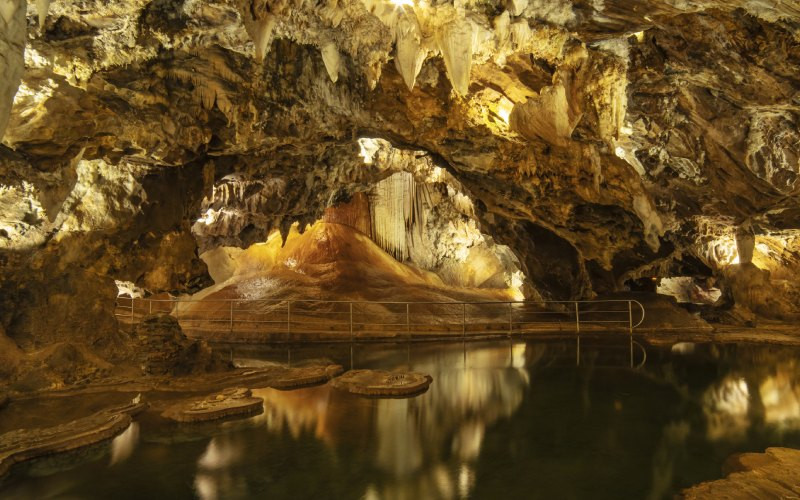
x=584, y=147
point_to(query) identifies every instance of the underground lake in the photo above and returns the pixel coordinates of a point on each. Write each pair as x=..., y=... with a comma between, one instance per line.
x=502, y=419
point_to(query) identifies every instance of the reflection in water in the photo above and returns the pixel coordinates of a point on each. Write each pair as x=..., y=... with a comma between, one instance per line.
x=217, y=476
x=725, y=406
x=780, y=395
x=123, y=445
x=298, y=411
x=425, y=447
x=500, y=420
x=765, y=395
x=683, y=348
x=473, y=390
x=672, y=445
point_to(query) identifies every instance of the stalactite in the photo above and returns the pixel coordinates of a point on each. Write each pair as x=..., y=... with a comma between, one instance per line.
x=42, y=6
x=398, y=214
x=455, y=41
x=410, y=54
x=262, y=35
x=332, y=60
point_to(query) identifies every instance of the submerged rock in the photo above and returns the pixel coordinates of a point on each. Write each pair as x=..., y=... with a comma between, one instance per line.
x=304, y=376
x=234, y=402
x=383, y=383
x=26, y=444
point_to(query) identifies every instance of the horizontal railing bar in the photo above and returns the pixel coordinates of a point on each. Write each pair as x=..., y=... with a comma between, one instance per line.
x=602, y=321
x=298, y=316
x=259, y=321
x=607, y=312
x=280, y=301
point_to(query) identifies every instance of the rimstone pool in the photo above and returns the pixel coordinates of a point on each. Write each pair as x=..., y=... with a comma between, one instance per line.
x=501, y=420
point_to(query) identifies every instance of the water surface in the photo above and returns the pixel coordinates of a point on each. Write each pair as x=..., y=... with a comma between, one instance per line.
x=501, y=420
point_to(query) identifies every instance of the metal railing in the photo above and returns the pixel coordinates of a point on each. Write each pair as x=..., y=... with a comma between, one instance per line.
x=292, y=320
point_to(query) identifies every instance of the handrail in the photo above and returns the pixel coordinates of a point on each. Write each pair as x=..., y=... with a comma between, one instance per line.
x=296, y=318
x=451, y=303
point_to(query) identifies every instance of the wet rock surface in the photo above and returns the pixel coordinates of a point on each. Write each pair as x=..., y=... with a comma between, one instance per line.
x=304, y=376
x=163, y=349
x=772, y=474
x=234, y=402
x=378, y=383
x=27, y=444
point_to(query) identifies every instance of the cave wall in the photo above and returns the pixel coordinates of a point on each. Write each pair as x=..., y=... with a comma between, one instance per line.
x=599, y=141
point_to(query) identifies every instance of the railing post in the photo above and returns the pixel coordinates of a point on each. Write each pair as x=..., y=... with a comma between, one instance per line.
x=351, y=323
x=630, y=328
x=288, y=333
x=289, y=319
x=630, y=317
x=577, y=318
x=510, y=319
x=464, y=320
x=133, y=318
x=231, y=318
x=408, y=323
x=150, y=303
x=177, y=310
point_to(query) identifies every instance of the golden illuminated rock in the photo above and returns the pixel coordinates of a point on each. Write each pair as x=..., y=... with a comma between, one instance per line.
x=381, y=383
x=235, y=402
x=546, y=150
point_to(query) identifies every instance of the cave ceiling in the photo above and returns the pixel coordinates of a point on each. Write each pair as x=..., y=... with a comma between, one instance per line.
x=629, y=132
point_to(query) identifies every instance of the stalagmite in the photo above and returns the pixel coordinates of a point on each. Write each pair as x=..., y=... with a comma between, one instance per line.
x=410, y=54
x=745, y=243
x=332, y=60
x=455, y=40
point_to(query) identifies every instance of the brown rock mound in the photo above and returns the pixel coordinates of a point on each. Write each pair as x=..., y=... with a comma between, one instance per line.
x=382, y=383
x=235, y=402
x=165, y=350
x=772, y=474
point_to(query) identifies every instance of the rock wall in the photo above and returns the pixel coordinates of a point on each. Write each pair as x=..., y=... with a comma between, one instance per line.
x=602, y=142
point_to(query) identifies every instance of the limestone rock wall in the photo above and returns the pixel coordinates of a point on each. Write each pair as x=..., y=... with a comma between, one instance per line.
x=601, y=142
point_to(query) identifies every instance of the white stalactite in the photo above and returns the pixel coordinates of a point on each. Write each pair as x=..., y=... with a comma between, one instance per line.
x=517, y=7
x=332, y=60
x=397, y=213
x=12, y=48
x=42, y=6
x=455, y=40
x=410, y=54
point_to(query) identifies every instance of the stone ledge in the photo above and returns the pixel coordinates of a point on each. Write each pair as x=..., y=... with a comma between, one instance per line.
x=27, y=444
x=772, y=474
x=306, y=376
x=234, y=402
x=382, y=383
